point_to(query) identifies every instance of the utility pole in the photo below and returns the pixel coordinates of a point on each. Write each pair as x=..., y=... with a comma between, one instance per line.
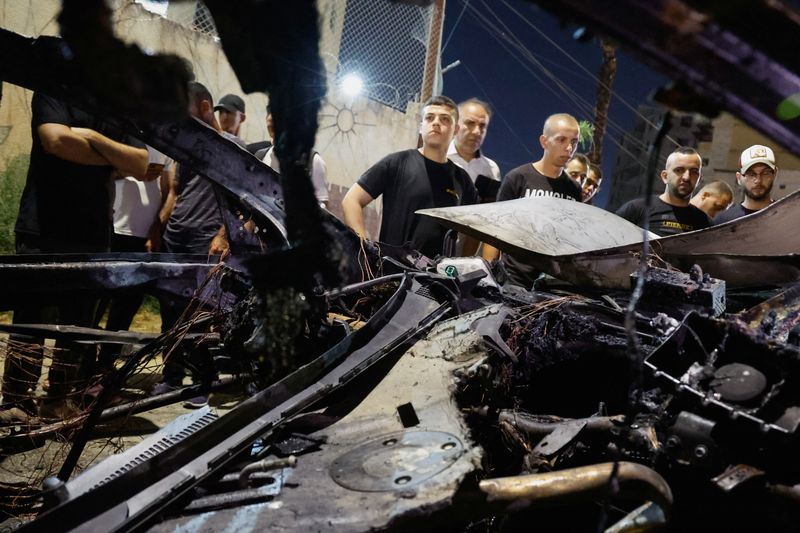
x=605, y=79
x=434, y=48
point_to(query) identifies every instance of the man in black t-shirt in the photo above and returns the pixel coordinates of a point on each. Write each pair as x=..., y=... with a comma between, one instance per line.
x=545, y=177
x=671, y=212
x=756, y=176
x=412, y=180
x=65, y=208
x=713, y=198
x=72, y=157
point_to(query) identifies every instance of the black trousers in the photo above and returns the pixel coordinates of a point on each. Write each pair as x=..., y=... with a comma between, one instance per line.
x=123, y=304
x=172, y=307
x=72, y=363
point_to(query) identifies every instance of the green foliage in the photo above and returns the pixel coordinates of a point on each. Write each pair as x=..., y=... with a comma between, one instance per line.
x=12, y=181
x=150, y=305
x=585, y=134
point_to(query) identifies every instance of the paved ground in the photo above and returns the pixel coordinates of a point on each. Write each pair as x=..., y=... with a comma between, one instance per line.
x=22, y=471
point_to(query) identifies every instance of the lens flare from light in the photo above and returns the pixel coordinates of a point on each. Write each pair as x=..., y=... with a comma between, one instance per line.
x=352, y=84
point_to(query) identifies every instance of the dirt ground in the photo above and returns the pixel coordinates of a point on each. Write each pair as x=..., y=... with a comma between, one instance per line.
x=22, y=471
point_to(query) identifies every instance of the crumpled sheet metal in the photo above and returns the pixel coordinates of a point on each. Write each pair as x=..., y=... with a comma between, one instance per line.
x=23, y=275
x=423, y=378
x=589, y=246
x=547, y=226
x=769, y=232
x=566, y=239
x=777, y=317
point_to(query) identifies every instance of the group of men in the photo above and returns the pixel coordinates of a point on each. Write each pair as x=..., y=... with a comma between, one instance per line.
x=677, y=211
x=74, y=159
x=436, y=176
x=91, y=189
x=444, y=170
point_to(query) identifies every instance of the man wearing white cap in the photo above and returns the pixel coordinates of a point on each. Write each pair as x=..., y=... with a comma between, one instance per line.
x=756, y=176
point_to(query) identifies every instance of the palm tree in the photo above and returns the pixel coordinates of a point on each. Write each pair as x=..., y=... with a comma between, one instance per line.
x=605, y=79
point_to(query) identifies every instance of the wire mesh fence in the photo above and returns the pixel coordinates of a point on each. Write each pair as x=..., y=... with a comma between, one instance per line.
x=385, y=44
x=197, y=18
x=202, y=21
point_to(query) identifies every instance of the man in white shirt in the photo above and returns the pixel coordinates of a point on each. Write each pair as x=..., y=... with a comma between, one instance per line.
x=319, y=171
x=137, y=203
x=137, y=228
x=465, y=149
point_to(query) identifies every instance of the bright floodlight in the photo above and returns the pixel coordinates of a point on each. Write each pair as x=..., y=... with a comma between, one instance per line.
x=352, y=84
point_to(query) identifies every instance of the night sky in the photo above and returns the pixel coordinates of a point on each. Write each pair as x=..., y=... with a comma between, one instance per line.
x=519, y=91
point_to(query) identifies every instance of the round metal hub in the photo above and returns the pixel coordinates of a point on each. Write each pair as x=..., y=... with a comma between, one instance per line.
x=737, y=382
x=396, y=461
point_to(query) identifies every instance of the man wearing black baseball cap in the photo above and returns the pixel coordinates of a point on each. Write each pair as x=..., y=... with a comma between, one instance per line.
x=230, y=109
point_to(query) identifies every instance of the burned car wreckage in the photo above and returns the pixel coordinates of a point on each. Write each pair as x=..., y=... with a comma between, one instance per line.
x=391, y=391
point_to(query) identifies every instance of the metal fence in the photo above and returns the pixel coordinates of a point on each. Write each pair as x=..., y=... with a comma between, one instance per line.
x=197, y=17
x=202, y=21
x=385, y=44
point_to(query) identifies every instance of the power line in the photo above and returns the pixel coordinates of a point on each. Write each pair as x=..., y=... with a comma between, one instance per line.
x=587, y=71
x=453, y=29
x=581, y=103
x=566, y=92
x=500, y=115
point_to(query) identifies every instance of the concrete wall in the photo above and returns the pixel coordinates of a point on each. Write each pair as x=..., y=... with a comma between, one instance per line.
x=153, y=32
x=353, y=134
x=731, y=137
x=15, y=109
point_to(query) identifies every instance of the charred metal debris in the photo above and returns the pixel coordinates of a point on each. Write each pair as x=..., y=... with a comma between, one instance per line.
x=385, y=390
